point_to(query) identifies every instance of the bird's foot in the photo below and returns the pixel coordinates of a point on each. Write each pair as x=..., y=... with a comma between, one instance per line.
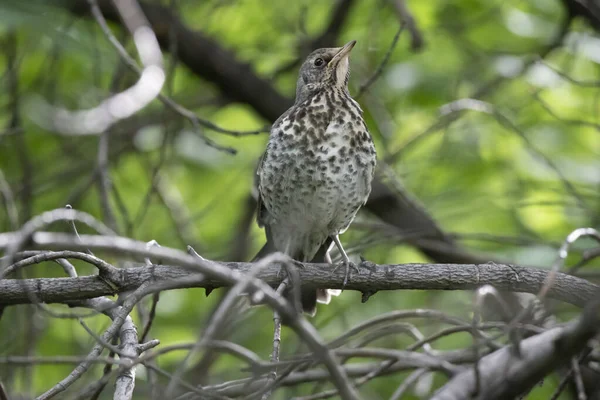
x=348, y=265
x=298, y=264
x=293, y=262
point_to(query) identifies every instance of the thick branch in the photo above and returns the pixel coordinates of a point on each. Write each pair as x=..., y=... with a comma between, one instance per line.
x=505, y=374
x=371, y=278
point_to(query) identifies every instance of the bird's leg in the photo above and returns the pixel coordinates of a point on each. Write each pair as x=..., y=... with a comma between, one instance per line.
x=328, y=256
x=345, y=260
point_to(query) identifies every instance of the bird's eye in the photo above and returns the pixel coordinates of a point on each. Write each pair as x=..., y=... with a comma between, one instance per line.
x=319, y=62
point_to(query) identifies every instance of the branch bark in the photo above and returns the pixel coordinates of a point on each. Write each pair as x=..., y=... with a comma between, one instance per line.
x=371, y=277
x=507, y=373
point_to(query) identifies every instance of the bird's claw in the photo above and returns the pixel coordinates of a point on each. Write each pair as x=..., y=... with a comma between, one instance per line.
x=296, y=264
x=348, y=265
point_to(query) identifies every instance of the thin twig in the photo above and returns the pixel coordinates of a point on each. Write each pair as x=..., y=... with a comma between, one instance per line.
x=406, y=17
x=407, y=383
x=151, y=315
x=577, y=378
x=590, y=84
x=461, y=105
x=219, y=316
x=105, y=372
x=192, y=117
x=382, y=65
x=9, y=201
x=119, y=317
x=276, y=342
x=125, y=103
x=563, y=252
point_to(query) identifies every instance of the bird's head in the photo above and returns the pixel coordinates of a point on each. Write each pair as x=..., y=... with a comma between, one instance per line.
x=326, y=68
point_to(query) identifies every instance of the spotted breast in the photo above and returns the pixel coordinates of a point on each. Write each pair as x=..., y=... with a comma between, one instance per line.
x=316, y=173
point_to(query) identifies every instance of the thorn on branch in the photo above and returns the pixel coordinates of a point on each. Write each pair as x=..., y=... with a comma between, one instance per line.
x=366, y=295
x=193, y=252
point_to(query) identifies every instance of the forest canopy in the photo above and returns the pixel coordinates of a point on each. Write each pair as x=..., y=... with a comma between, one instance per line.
x=130, y=134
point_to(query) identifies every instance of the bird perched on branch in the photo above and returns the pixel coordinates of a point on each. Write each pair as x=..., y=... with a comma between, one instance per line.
x=318, y=166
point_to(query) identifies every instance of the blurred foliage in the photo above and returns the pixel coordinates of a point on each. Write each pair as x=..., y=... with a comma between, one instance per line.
x=481, y=180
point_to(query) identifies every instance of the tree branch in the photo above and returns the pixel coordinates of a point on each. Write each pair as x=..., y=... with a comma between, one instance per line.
x=406, y=362
x=212, y=270
x=371, y=278
x=416, y=37
x=507, y=373
x=203, y=56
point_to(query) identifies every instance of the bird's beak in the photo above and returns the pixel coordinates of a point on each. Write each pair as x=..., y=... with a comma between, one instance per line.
x=344, y=52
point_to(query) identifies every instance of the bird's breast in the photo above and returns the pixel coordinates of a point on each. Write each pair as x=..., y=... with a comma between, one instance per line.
x=318, y=166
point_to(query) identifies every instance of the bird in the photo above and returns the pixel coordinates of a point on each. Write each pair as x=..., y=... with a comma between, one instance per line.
x=317, y=169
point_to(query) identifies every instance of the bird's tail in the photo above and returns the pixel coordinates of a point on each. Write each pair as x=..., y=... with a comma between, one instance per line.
x=308, y=297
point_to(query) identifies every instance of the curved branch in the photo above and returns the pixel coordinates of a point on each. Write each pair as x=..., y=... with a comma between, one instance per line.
x=121, y=105
x=204, y=56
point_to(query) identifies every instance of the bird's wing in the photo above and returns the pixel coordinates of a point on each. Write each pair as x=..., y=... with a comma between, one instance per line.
x=367, y=179
x=262, y=214
x=368, y=172
x=261, y=210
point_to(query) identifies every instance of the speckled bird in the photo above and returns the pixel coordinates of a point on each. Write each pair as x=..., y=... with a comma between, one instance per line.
x=317, y=169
